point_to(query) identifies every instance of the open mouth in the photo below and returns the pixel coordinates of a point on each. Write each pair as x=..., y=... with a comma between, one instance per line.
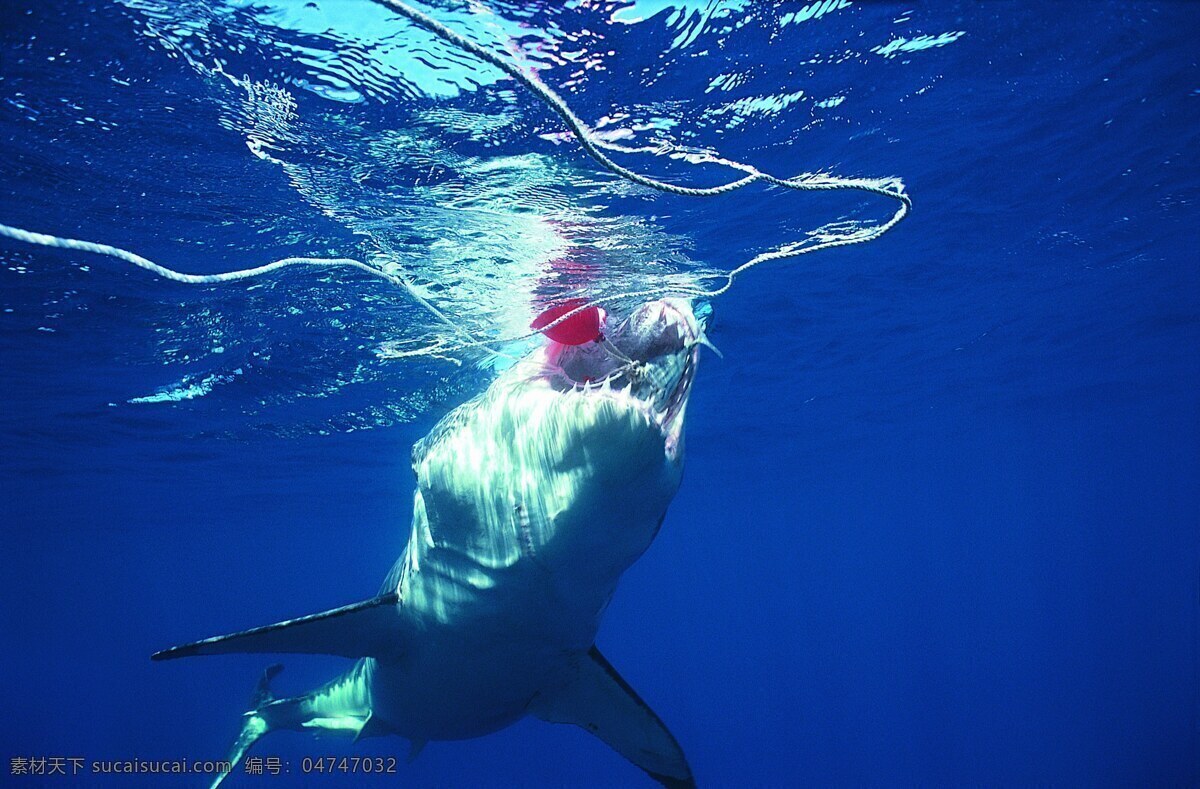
x=648, y=367
x=672, y=416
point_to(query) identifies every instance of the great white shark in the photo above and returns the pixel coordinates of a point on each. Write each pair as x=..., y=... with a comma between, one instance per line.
x=532, y=499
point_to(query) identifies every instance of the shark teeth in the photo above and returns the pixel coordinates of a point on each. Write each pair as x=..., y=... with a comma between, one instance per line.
x=658, y=407
x=657, y=389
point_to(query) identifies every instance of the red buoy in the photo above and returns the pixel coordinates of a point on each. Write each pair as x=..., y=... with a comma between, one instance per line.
x=582, y=327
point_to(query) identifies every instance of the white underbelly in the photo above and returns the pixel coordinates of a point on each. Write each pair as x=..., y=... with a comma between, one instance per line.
x=490, y=640
x=458, y=683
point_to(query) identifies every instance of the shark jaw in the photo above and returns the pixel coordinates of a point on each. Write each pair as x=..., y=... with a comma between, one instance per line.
x=646, y=365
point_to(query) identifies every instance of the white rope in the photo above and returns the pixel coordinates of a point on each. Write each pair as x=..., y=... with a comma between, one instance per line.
x=595, y=148
x=46, y=240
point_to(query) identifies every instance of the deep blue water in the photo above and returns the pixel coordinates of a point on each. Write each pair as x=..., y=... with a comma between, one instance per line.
x=940, y=523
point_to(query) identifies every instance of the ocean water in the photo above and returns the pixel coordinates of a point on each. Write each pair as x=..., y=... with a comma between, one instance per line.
x=940, y=523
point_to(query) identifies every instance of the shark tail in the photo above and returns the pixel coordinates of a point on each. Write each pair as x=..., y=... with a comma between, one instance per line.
x=255, y=725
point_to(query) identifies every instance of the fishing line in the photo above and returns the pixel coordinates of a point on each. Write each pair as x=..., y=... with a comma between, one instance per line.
x=595, y=148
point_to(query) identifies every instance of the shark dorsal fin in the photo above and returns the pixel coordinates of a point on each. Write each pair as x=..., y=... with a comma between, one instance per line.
x=600, y=701
x=367, y=629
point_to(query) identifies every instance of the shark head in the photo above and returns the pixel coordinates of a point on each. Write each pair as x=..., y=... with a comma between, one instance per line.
x=645, y=364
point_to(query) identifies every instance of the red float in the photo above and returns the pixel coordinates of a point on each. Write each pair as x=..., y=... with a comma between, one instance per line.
x=582, y=327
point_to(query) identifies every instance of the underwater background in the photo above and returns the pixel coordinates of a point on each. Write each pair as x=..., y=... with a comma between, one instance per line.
x=940, y=523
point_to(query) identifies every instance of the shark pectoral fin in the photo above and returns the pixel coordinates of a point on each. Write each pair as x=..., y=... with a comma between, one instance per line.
x=369, y=628
x=599, y=700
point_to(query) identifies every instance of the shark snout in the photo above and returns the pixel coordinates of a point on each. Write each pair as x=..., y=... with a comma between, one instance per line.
x=658, y=328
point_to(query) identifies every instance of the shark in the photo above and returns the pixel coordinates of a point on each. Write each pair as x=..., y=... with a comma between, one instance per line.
x=531, y=501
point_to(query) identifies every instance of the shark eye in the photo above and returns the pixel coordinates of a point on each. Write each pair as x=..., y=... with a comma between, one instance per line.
x=582, y=327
